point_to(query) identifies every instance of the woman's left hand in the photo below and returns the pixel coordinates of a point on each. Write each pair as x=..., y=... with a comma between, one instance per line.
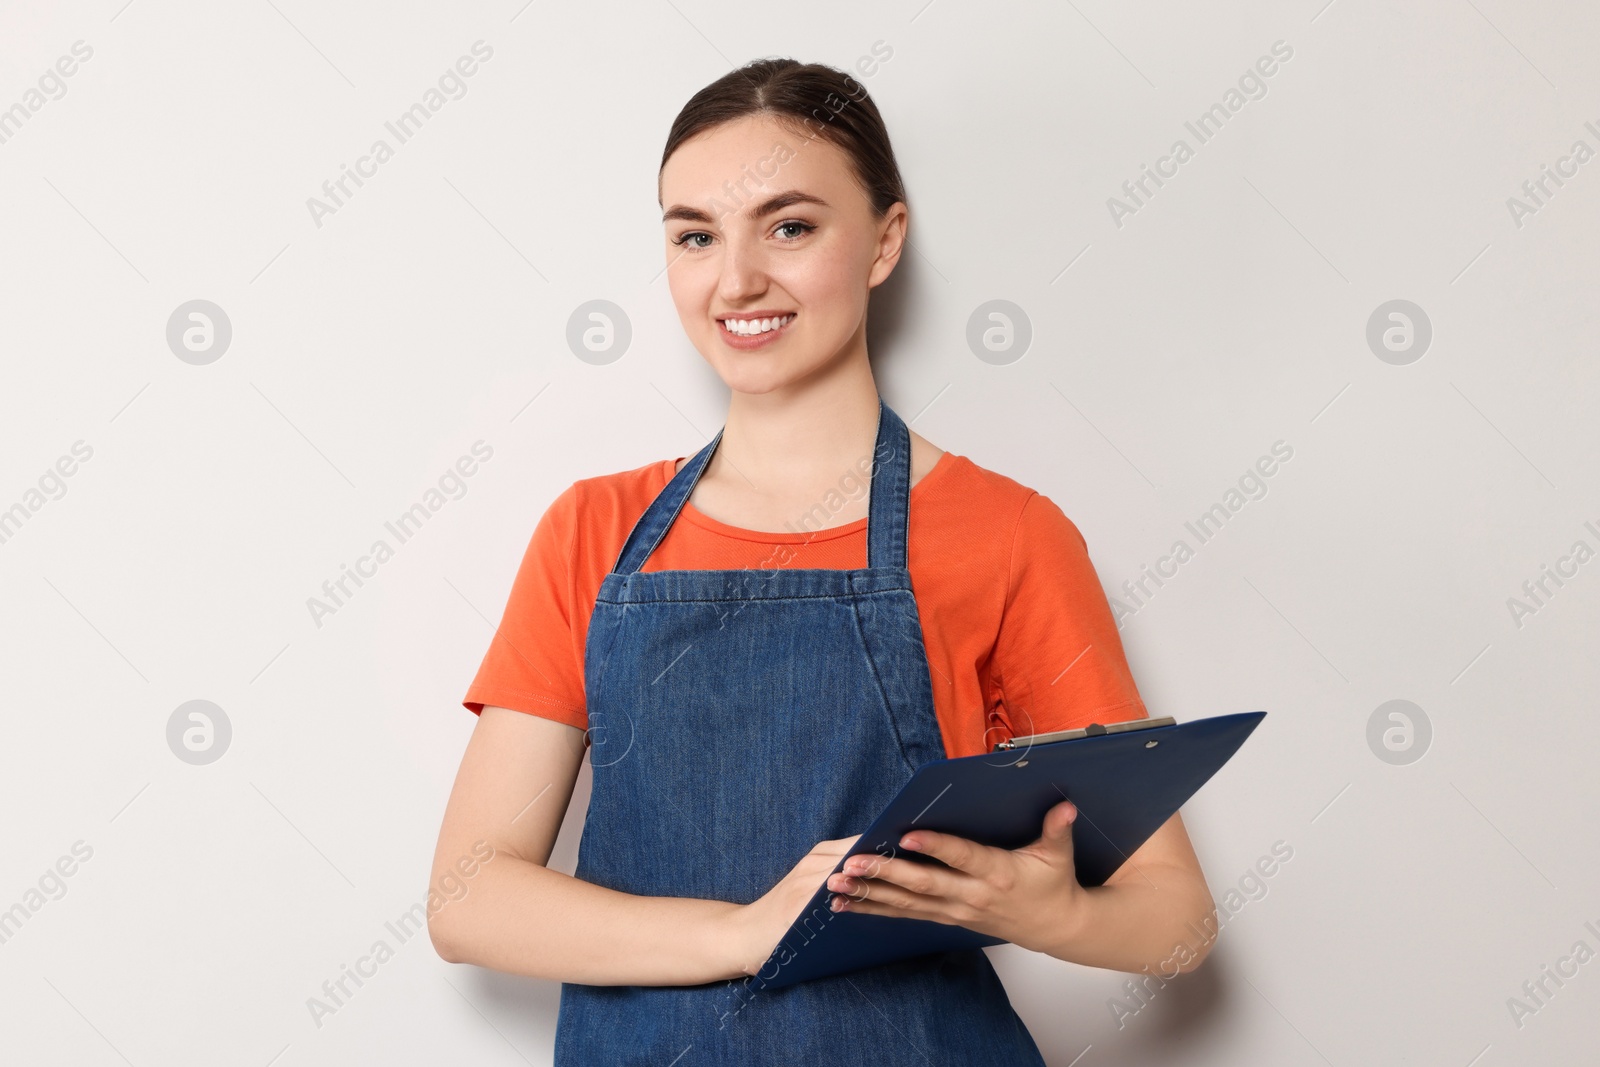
x=1026, y=895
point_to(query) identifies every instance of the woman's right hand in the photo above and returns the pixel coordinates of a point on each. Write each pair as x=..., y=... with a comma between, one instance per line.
x=760, y=924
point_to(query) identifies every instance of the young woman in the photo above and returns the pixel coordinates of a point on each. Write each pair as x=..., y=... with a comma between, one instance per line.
x=757, y=644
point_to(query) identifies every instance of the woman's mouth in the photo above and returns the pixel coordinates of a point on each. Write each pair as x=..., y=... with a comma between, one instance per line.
x=754, y=331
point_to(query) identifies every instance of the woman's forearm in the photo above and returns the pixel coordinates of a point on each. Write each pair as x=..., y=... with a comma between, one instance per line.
x=1163, y=920
x=523, y=918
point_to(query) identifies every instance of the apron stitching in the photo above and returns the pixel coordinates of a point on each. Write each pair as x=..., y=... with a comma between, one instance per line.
x=877, y=679
x=774, y=599
x=605, y=657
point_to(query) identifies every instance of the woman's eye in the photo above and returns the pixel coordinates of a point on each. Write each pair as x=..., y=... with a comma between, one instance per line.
x=691, y=241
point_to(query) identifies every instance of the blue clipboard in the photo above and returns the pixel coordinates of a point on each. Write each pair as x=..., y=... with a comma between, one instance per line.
x=1127, y=779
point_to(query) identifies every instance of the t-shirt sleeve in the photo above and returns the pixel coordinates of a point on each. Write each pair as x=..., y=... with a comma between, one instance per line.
x=533, y=664
x=1059, y=658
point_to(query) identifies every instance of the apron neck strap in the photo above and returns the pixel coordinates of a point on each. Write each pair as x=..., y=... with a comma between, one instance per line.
x=888, y=511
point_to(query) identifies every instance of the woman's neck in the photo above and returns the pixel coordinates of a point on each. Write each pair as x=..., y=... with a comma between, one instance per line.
x=786, y=454
x=798, y=440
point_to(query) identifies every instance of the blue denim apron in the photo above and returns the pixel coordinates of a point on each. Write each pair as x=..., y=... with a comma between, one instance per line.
x=738, y=717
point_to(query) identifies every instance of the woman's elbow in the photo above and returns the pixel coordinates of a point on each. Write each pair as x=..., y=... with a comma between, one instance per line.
x=1202, y=921
x=442, y=933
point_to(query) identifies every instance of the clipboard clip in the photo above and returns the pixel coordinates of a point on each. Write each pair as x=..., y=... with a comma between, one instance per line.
x=1094, y=729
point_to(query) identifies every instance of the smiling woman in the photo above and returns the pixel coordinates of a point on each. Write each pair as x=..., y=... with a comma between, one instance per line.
x=751, y=693
x=824, y=229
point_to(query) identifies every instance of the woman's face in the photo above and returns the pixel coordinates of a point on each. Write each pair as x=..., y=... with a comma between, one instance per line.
x=763, y=224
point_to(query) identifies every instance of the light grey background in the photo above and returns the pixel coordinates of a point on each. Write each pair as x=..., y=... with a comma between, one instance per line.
x=430, y=311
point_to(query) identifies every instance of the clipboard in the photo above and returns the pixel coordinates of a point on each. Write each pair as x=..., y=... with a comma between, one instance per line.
x=1127, y=779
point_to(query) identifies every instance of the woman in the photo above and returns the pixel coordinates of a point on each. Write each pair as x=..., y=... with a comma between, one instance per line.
x=734, y=636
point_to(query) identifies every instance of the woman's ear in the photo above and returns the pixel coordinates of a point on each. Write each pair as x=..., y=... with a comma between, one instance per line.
x=891, y=242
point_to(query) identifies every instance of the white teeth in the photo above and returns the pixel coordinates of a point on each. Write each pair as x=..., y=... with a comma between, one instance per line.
x=752, y=327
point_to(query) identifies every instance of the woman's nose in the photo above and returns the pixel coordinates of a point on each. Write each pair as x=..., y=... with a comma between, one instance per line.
x=743, y=270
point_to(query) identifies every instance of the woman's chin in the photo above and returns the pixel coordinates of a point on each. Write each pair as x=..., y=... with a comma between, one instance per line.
x=752, y=372
x=743, y=380
x=758, y=372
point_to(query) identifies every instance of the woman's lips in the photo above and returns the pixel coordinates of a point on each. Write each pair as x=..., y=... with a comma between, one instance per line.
x=748, y=341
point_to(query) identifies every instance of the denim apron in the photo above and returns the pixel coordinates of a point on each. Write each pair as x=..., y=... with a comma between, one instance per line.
x=738, y=717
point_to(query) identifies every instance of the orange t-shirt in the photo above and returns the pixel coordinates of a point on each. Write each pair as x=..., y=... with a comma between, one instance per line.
x=1019, y=636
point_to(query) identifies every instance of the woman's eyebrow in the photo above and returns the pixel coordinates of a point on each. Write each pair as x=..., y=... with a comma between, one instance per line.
x=766, y=207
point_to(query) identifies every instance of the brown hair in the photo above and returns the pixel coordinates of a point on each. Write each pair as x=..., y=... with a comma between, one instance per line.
x=814, y=100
